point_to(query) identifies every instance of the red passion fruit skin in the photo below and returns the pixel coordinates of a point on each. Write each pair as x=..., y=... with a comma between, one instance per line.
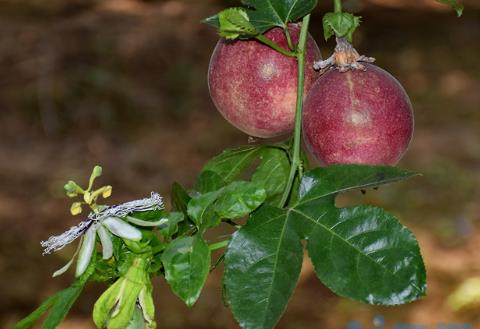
x=254, y=87
x=358, y=117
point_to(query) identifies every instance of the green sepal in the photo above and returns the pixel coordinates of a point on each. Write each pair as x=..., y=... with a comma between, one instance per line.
x=115, y=307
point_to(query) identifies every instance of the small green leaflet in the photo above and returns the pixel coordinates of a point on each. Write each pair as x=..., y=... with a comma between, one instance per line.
x=187, y=264
x=342, y=25
x=271, y=173
x=234, y=22
x=454, y=4
x=262, y=15
x=236, y=200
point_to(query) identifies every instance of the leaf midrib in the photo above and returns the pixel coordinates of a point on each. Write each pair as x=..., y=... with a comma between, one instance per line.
x=385, y=269
x=386, y=181
x=267, y=305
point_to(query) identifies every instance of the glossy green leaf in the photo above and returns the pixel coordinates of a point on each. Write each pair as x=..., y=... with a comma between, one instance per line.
x=341, y=24
x=233, y=162
x=272, y=173
x=363, y=253
x=208, y=181
x=180, y=198
x=187, y=263
x=201, y=209
x=262, y=266
x=172, y=225
x=458, y=7
x=149, y=215
x=331, y=180
x=266, y=14
x=271, y=166
x=239, y=199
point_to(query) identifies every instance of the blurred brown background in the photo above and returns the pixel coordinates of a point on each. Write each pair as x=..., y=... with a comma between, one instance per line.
x=122, y=83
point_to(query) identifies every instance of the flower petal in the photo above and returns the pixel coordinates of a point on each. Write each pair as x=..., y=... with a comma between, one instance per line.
x=67, y=266
x=106, y=241
x=86, y=250
x=122, y=229
x=162, y=222
x=64, y=268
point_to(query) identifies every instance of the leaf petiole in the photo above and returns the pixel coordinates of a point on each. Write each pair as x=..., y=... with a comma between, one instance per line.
x=289, y=38
x=219, y=245
x=263, y=39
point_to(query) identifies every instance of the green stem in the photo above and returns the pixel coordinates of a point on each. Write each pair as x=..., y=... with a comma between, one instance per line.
x=275, y=46
x=296, y=163
x=337, y=4
x=289, y=38
x=218, y=245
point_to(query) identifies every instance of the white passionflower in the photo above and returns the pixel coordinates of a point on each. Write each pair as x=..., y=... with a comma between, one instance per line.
x=111, y=220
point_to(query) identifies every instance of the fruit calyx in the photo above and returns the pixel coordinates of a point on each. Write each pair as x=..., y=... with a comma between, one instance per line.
x=344, y=58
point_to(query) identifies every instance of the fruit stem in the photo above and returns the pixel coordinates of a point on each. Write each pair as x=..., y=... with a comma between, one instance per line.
x=296, y=163
x=275, y=46
x=337, y=5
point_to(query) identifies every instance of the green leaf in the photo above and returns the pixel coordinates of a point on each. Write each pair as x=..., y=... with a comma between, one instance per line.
x=33, y=317
x=180, y=198
x=172, y=225
x=149, y=215
x=454, y=4
x=327, y=181
x=266, y=14
x=187, y=263
x=234, y=22
x=239, y=199
x=63, y=304
x=208, y=181
x=262, y=266
x=233, y=162
x=65, y=298
x=201, y=209
x=272, y=174
x=363, y=252
x=236, y=200
x=342, y=25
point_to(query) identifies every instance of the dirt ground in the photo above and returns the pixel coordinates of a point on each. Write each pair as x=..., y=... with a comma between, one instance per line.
x=122, y=83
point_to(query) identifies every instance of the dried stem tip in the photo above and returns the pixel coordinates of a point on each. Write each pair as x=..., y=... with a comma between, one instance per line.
x=344, y=58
